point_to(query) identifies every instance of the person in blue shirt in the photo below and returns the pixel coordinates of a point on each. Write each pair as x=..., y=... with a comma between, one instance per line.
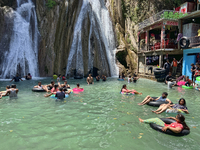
x=163, y=98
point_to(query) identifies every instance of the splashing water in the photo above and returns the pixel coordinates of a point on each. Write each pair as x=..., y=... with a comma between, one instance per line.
x=101, y=29
x=22, y=56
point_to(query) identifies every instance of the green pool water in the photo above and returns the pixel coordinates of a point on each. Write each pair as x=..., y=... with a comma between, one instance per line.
x=99, y=118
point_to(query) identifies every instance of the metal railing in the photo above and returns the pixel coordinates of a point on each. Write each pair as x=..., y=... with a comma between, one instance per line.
x=165, y=14
x=194, y=41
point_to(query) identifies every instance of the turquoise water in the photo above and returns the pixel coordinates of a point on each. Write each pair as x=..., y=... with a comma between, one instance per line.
x=108, y=120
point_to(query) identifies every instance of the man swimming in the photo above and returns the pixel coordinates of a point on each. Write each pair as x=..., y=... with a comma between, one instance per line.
x=16, y=78
x=90, y=79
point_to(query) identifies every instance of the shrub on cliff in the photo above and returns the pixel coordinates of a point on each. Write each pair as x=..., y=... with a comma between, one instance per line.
x=50, y=4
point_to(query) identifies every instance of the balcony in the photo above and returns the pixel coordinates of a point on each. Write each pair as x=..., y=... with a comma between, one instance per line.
x=167, y=44
x=163, y=15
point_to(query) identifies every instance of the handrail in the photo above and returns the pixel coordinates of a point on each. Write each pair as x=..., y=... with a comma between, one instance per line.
x=165, y=14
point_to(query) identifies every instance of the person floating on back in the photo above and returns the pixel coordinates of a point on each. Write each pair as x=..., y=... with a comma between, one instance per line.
x=16, y=78
x=163, y=98
x=125, y=90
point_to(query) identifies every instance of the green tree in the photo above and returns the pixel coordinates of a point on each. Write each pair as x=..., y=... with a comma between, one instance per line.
x=50, y=4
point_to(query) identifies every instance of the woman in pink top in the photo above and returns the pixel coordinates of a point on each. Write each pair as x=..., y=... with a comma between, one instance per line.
x=125, y=90
x=175, y=127
x=53, y=91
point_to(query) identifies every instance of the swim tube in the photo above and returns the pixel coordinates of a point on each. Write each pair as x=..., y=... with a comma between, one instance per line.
x=156, y=103
x=38, y=90
x=168, y=121
x=187, y=87
x=54, y=96
x=120, y=79
x=123, y=93
x=198, y=78
x=180, y=83
x=76, y=90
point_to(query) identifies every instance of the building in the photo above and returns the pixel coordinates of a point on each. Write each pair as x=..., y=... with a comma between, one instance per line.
x=158, y=38
x=190, y=27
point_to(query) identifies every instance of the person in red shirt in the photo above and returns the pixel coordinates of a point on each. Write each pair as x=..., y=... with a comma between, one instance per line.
x=174, y=66
x=175, y=127
x=188, y=81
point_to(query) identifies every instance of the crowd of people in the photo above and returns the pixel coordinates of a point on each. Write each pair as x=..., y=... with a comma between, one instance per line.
x=61, y=90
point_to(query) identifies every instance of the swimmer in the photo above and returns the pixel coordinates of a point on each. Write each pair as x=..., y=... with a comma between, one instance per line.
x=173, y=107
x=97, y=78
x=188, y=81
x=28, y=77
x=51, y=85
x=12, y=92
x=135, y=77
x=63, y=78
x=125, y=90
x=58, y=78
x=104, y=78
x=129, y=79
x=65, y=85
x=163, y=98
x=175, y=127
x=90, y=79
x=40, y=86
x=60, y=95
x=16, y=78
x=78, y=86
x=53, y=91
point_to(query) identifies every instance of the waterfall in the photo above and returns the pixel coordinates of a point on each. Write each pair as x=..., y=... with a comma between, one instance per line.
x=101, y=30
x=22, y=56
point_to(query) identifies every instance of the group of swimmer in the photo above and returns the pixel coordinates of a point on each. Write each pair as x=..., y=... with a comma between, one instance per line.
x=168, y=107
x=11, y=91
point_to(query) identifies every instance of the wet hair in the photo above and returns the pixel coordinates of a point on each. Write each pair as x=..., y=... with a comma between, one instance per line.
x=29, y=74
x=13, y=86
x=78, y=84
x=165, y=93
x=65, y=81
x=181, y=118
x=39, y=82
x=192, y=64
x=183, y=100
x=60, y=89
x=129, y=76
x=123, y=87
x=59, y=75
x=52, y=81
x=55, y=86
x=8, y=86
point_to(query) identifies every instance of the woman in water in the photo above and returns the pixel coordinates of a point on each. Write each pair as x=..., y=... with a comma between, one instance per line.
x=125, y=90
x=175, y=127
x=12, y=92
x=173, y=108
x=53, y=90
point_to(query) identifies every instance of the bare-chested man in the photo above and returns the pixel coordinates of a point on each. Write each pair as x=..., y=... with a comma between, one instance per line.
x=90, y=79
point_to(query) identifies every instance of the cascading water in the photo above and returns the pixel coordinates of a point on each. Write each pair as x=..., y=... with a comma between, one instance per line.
x=101, y=29
x=22, y=56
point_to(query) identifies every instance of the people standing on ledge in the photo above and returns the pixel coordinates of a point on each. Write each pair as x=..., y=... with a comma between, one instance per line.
x=174, y=66
x=16, y=78
x=90, y=79
x=104, y=78
x=28, y=77
x=98, y=78
x=167, y=67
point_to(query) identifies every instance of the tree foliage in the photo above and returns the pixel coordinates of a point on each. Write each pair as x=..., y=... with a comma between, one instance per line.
x=50, y=4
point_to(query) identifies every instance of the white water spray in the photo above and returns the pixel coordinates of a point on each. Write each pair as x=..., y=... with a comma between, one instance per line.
x=22, y=56
x=101, y=27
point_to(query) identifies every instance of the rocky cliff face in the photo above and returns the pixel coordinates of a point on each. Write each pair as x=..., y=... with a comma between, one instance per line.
x=56, y=25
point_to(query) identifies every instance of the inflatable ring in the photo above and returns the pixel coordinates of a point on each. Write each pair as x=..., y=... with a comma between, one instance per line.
x=156, y=103
x=187, y=87
x=120, y=79
x=180, y=83
x=198, y=78
x=75, y=90
x=158, y=71
x=53, y=96
x=168, y=121
x=123, y=93
x=38, y=90
x=174, y=111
